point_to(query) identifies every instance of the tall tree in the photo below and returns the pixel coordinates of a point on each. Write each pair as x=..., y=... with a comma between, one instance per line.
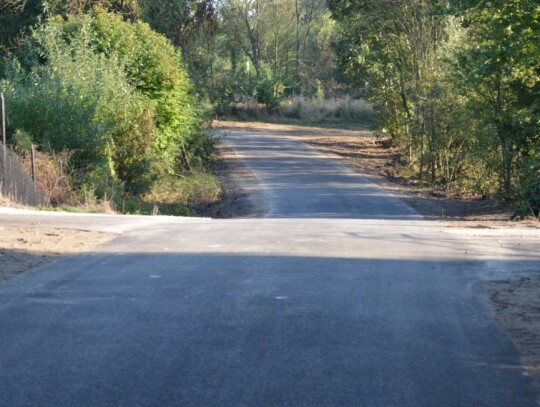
x=243, y=20
x=389, y=48
x=500, y=63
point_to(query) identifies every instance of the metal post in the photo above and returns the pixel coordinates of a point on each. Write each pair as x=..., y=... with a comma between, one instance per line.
x=4, y=153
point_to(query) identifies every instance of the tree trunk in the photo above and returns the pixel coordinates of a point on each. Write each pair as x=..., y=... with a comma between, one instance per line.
x=297, y=60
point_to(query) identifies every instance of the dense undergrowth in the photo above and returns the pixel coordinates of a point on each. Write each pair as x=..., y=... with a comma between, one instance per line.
x=456, y=85
x=114, y=114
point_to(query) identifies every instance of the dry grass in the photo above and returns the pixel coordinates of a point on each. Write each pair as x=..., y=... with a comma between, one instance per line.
x=320, y=110
x=52, y=177
x=307, y=110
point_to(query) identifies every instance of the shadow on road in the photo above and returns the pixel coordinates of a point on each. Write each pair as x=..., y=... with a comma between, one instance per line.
x=219, y=329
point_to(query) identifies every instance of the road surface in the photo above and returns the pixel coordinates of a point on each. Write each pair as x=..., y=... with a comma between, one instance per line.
x=340, y=296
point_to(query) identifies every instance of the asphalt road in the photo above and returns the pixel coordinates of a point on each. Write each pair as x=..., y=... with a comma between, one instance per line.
x=340, y=296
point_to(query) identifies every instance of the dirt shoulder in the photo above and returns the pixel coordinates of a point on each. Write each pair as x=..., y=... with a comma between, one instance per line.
x=25, y=248
x=516, y=305
x=240, y=196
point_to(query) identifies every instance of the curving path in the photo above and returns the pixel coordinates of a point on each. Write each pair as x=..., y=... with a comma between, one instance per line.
x=340, y=296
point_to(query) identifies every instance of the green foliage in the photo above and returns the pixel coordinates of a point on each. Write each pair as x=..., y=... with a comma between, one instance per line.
x=127, y=8
x=114, y=92
x=529, y=202
x=456, y=85
x=500, y=62
x=181, y=20
x=154, y=67
x=16, y=19
x=231, y=48
x=224, y=94
x=83, y=100
x=269, y=92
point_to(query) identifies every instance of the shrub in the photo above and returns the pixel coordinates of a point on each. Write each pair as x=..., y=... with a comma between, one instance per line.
x=155, y=69
x=113, y=92
x=77, y=100
x=269, y=92
x=529, y=203
x=319, y=109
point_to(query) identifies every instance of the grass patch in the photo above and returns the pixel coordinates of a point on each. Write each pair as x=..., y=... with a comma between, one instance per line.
x=175, y=195
x=69, y=208
x=178, y=195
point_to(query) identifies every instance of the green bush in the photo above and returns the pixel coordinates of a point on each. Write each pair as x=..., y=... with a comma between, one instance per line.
x=269, y=93
x=155, y=68
x=77, y=100
x=529, y=203
x=116, y=94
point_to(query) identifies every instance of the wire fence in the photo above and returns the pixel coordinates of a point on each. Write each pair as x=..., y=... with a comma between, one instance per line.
x=16, y=184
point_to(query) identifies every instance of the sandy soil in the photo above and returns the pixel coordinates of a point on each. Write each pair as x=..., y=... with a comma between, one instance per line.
x=24, y=248
x=516, y=304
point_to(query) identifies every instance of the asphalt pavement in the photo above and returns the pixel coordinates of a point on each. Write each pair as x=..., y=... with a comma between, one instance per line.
x=340, y=296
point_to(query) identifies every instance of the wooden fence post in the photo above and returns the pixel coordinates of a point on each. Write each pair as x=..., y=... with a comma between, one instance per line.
x=33, y=157
x=4, y=153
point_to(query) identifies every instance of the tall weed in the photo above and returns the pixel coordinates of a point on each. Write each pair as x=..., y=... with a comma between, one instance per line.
x=309, y=110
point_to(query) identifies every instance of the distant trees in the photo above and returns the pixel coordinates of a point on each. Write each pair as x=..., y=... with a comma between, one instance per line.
x=286, y=41
x=231, y=47
x=456, y=84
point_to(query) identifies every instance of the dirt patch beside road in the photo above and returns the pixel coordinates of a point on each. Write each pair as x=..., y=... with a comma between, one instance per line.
x=240, y=197
x=24, y=248
x=516, y=304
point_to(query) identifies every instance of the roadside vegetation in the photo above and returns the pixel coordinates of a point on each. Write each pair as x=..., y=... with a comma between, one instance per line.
x=112, y=109
x=456, y=85
x=126, y=88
